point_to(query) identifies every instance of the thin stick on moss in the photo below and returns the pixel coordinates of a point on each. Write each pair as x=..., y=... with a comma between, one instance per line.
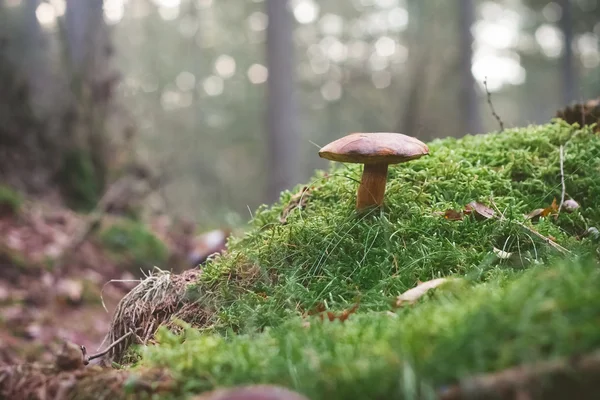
x=87, y=359
x=546, y=239
x=562, y=177
x=489, y=101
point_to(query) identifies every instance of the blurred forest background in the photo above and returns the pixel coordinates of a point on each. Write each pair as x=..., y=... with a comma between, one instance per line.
x=219, y=105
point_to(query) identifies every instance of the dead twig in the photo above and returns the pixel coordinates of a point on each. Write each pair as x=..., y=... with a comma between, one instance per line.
x=489, y=101
x=87, y=359
x=562, y=178
x=546, y=239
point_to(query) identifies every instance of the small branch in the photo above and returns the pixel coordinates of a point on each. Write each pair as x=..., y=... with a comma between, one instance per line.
x=562, y=177
x=489, y=101
x=548, y=241
x=87, y=359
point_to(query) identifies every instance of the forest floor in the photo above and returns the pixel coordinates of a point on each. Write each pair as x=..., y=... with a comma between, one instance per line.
x=57, y=286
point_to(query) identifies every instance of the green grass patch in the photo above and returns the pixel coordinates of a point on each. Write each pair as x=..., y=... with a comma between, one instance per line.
x=132, y=245
x=539, y=314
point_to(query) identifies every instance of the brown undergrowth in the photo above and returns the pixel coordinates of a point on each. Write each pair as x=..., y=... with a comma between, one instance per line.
x=40, y=382
x=152, y=303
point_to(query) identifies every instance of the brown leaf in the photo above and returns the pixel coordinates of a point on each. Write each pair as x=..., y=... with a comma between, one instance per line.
x=453, y=215
x=331, y=316
x=342, y=316
x=298, y=200
x=535, y=213
x=414, y=294
x=479, y=210
x=551, y=209
x=319, y=308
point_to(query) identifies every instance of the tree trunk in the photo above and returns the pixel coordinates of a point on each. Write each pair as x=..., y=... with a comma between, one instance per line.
x=470, y=118
x=282, y=138
x=34, y=62
x=569, y=79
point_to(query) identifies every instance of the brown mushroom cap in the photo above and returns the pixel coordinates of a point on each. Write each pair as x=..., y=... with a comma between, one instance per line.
x=374, y=148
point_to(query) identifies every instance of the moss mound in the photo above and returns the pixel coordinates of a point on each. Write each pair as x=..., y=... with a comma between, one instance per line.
x=544, y=313
x=517, y=298
x=325, y=253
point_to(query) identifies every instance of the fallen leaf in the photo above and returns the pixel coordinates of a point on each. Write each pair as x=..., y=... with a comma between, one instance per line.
x=535, y=213
x=551, y=209
x=479, y=210
x=322, y=313
x=453, y=215
x=342, y=316
x=412, y=295
x=298, y=200
x=503, y=255
x=544, y=212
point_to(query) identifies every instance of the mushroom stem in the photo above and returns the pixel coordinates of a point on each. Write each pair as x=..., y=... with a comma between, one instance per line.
x=372, y=186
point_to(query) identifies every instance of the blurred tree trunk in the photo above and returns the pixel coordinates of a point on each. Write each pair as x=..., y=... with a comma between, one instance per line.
x=569, y=84
x=34, y=52
x=411, y=114
x=470, y=118
x=282, y=137
x=91, y=80
x=87, y=38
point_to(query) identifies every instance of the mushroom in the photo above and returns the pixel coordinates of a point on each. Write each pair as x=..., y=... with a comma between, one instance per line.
x=376, y=151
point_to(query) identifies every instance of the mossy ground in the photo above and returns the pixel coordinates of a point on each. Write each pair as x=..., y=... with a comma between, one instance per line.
x=536, y=305
x=133, y=245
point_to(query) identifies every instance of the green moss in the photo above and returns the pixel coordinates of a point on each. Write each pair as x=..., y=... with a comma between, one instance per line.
x=79, y=181
x=10, y=200
x=535, y=305
x=486, y=327
x=133, y=246
x=326, y=253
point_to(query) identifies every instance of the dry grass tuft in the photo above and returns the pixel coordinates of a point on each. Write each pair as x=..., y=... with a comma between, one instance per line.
x=147, y=306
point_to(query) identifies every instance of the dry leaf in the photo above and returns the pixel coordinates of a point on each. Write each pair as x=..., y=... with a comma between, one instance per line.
x=479, y=210
x=551, y=209
x=342, y=316
x=298, y=200
x=544, y=212
x=453, y=215
x=535, y=213
x=503, y=255
x=320, y=311
x=414, y=294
